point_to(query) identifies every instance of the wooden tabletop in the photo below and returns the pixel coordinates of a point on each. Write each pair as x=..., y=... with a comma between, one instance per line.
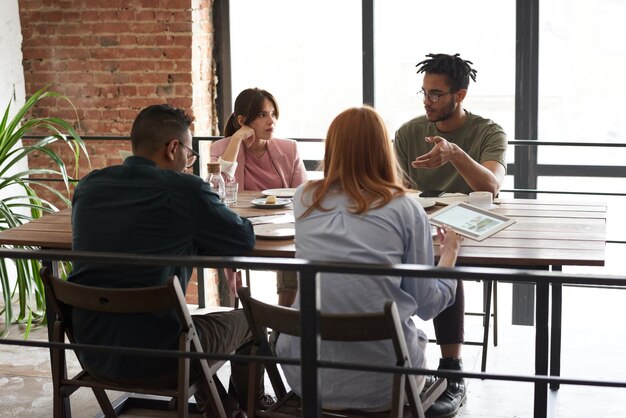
x=545, y=233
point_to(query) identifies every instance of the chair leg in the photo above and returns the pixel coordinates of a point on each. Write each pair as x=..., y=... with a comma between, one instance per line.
x=60, y=401
x=252, y=386
x=430, y=395
x=488, y=285
x=105, y=403
x=247, y=284
x=495, y=313
x=244, y=283
x=248, y=279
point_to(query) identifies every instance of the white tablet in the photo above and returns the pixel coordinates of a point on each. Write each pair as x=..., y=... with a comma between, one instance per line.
x=470, y=221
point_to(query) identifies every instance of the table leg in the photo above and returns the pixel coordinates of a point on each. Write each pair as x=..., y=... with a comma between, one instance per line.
x=523, y=301
x=541, y=348
x=555, y=330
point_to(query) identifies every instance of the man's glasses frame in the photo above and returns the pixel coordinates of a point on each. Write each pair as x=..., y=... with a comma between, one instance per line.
x=433, y=97
x=191, y=159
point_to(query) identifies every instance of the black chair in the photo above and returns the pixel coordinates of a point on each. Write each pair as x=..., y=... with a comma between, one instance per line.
x=490, y=290
x=335, y=327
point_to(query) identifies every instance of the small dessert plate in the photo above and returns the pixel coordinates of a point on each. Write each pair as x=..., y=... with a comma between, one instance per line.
x=287, y=192
x=261, y=203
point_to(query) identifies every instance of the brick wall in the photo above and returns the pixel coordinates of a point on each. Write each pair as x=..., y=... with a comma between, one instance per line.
x=112, y=58
x=203, y=81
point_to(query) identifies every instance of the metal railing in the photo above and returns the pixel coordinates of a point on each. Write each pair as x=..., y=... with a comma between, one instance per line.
x=565, y=170
x=310, y=352
x=543, y=169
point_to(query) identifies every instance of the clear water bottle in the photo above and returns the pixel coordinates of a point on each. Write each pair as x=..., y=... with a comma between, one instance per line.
x=216, y=181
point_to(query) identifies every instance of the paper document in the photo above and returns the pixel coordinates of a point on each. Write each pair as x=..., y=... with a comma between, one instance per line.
x=281, y=218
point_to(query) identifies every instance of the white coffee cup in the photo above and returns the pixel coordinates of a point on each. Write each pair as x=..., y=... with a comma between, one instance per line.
x=481, y=199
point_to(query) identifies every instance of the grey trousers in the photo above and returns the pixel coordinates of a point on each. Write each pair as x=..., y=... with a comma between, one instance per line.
x=225, y=332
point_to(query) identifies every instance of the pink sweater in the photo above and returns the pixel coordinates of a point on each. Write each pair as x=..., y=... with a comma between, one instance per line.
x=282, y=152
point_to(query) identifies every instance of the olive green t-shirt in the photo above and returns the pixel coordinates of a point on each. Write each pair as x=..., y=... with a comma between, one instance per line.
x=482, y=139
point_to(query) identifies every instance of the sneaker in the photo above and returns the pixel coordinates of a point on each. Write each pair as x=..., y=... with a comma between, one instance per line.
x=265, y=401
x=448, y=404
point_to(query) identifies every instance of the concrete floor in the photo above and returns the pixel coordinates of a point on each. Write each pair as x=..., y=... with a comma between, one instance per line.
x=593, y=342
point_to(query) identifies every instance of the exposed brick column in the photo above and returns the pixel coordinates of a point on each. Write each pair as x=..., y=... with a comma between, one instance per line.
x=203, y=69
x=114, y=57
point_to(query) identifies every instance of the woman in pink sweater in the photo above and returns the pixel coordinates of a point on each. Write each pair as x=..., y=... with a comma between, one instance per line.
x=249, y=150
x=258, y=161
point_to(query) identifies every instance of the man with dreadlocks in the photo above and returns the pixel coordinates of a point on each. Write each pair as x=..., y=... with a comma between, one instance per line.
x=452, y=150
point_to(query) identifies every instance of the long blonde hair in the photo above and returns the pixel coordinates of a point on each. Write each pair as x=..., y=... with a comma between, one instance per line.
x=359, y=160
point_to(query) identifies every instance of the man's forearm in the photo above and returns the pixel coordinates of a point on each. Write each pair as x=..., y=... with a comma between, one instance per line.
x=478, y=176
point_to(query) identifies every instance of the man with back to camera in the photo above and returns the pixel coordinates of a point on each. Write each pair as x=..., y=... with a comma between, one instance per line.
x=149, y=205
x=452, y=150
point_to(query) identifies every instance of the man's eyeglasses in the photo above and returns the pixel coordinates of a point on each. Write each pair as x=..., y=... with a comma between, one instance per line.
x=191, y=158
x=432, y=97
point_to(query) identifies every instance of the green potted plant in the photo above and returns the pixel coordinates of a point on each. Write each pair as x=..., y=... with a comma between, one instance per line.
x=20, y=201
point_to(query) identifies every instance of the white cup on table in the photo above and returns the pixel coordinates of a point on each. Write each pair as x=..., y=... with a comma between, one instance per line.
x=482, y=200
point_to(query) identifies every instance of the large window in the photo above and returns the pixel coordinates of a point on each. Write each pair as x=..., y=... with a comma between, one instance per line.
x=310, y=56
x=581, y=88
x=405, y=31
x=307, y=54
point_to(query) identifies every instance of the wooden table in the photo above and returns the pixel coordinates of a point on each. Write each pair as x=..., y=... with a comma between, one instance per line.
x=546, y=235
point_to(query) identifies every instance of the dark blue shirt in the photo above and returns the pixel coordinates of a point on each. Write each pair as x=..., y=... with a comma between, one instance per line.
x=139, y=208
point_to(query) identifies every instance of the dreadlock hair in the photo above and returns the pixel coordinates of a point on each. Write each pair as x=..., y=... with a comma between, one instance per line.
x=456, y=68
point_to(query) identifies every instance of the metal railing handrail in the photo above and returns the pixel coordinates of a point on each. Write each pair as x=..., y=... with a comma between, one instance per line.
x=526, y=142
x=566, y=143
x=306, y=266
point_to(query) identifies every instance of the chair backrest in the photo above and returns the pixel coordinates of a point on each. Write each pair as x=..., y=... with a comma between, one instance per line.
x=116, y=300
x=336, y=327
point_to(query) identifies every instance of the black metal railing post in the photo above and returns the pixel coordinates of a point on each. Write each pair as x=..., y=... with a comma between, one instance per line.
x=310, y=344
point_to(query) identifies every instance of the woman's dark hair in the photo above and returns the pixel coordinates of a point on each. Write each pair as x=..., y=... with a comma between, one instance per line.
x=456, y=68
x=248, y=104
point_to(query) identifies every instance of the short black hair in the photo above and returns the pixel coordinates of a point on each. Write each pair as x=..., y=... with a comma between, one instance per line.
x=156, y=125
x=456, y=68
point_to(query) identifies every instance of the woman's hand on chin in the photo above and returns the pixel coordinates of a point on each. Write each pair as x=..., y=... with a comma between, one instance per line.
x=246, y=134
